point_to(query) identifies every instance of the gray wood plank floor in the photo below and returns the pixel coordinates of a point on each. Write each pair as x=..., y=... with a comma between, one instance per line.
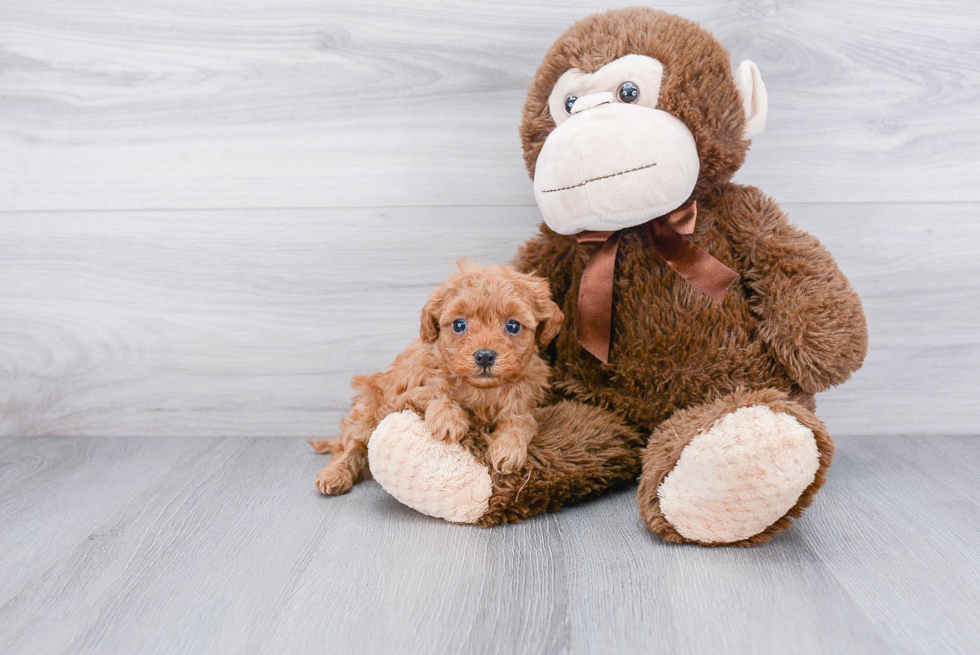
x=222, y=545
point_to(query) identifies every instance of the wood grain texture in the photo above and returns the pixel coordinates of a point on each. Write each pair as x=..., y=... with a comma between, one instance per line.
x=253, y=323
x=113, y=104
x=223, y=545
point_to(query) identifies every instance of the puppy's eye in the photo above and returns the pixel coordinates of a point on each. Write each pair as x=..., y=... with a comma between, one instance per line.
x=628, y=92
x=459, y=326
x=513, y=327
x=569, y=101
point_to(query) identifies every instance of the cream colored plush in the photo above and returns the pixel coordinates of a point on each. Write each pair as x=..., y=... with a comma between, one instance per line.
x=740, y=476
x=432, y=477
x=755, y=99
x=645, y=72
x=614, y=166
x=610, y=165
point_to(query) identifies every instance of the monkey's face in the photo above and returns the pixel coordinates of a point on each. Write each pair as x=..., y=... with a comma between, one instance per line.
x=632, y=113
x=614, y=160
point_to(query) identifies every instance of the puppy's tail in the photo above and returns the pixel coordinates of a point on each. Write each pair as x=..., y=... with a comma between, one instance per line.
x=366, y=384
x=326, y=445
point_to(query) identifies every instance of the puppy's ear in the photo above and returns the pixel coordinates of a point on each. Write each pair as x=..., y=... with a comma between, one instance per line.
x=466, y=266
x=551, y=319
x=429, y=331
x=549, y=316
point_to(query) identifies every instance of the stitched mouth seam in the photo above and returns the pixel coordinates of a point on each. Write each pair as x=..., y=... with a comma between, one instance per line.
x=596, y=179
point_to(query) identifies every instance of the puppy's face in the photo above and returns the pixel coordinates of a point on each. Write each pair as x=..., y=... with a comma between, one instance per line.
x=488, y=322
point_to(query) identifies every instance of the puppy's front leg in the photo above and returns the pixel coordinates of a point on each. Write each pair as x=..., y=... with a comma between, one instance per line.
x=508, y=444
x=416, y=399
x=446, y=420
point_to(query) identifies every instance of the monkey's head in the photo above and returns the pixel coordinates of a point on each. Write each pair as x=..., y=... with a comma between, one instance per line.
x=632, y=113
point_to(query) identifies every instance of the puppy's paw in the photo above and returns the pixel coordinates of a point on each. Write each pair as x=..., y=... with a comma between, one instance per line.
x=334, y=481
x=415, y=399
x=446, y=420
x=507, y=455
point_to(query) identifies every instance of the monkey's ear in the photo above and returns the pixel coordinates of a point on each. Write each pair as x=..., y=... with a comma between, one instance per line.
x=755, y=100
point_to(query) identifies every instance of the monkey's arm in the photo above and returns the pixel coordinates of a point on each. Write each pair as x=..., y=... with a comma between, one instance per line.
x=811, y=317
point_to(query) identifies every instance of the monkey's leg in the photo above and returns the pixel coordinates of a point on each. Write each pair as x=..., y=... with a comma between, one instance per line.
x=734, y=471
x=578, y=452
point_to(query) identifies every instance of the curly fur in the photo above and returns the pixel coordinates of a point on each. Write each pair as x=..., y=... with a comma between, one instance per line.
x=439, y=376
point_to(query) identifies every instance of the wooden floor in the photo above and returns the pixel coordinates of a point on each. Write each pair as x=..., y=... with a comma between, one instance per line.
x=223, y=546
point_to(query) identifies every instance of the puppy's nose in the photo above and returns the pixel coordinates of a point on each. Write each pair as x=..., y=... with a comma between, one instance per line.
x=485, y=358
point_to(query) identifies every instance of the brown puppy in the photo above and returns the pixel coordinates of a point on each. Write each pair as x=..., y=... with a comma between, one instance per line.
x=476, y=366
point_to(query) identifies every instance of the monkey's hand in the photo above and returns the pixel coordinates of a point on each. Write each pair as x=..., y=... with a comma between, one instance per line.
x=811, y=317
x=446, y=420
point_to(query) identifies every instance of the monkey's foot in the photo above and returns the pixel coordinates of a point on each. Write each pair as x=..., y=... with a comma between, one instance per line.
x=432, y=477
x=739, y=476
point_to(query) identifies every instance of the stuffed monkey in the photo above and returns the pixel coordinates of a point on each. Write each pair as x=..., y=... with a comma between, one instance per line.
x=700, y=322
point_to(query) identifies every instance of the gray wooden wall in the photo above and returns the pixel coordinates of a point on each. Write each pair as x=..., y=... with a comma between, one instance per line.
x=213, y=214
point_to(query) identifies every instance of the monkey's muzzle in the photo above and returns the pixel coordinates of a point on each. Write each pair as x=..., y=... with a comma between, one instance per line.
x=614, y=166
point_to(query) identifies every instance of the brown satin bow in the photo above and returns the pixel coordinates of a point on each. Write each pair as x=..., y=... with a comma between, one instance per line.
x=704, y=272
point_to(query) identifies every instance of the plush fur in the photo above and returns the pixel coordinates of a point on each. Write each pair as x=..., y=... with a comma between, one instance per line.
x=789, y=327
x=791, y=321
x=671, y=437
x=760, y=461
x=442, y=377
x=696, y=68
x=579, y=452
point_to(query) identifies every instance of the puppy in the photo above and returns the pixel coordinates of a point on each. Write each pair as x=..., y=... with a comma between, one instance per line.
x=475, y=366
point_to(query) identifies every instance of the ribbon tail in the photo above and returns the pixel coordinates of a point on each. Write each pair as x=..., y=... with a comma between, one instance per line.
x=594, y=314
x=692, y=263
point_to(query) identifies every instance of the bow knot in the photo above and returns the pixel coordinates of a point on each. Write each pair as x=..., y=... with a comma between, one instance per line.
x=704, y=272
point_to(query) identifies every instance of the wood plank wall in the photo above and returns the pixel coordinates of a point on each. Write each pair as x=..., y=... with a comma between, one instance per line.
x=213, y=214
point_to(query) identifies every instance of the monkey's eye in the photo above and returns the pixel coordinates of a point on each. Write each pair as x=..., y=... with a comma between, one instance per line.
x=459, y=326
x=628, y=92
x=513, y=327
x=569, y=101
